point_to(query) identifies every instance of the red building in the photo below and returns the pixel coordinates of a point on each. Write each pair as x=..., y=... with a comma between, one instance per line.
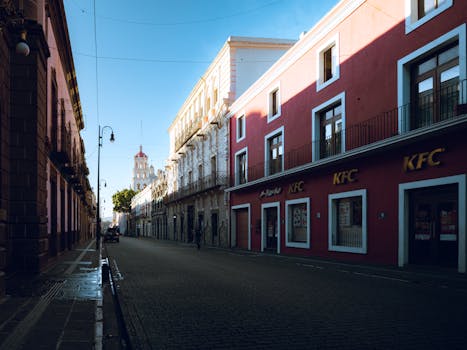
x=352, y=146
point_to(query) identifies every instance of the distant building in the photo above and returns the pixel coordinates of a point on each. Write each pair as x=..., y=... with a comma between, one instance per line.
x=198, y=160
x=143, y=174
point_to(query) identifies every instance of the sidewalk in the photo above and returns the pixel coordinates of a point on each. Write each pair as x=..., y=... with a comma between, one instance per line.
x=62, y=308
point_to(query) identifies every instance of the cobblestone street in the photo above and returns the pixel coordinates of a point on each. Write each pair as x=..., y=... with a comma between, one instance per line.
x=176, y=297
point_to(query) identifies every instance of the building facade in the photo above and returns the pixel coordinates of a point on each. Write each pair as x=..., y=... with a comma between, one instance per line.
x=158, y=207
x=197, y=167
x=143, y=173
x=351, y=145
x=47, y=205
x=141, y=213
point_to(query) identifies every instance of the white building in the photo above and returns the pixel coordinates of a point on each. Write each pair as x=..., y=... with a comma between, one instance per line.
x=141, y=213
x=143, y=174
x=197, y=168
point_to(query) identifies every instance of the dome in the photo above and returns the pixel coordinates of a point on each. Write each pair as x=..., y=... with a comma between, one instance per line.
x=141, y=154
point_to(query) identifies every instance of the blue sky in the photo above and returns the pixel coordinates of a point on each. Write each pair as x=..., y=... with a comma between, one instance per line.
x=150, y=54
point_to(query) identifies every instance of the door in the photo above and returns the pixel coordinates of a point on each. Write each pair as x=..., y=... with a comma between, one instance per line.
x=241, y=224
x=433, y=236
x=271, y=228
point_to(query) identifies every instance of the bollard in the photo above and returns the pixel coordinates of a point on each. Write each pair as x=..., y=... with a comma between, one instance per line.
x=105, y=269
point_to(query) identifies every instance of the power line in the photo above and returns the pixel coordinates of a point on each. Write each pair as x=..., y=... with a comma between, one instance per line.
x=192, y=21
x=158, y=60
x=97, y=63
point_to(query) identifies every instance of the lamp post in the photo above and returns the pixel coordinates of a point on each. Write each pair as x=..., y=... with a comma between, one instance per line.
x=98, y=214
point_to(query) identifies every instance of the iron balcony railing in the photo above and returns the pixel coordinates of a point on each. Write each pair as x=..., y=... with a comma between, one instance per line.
x=204, y=184
x=449, y=102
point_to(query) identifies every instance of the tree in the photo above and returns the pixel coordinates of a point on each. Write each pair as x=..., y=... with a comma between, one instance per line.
x=122, y=200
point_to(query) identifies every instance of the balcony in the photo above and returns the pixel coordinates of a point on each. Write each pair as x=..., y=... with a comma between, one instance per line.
x=60, y=147
x=207, y=183
x=188, y=133
x=430, y=110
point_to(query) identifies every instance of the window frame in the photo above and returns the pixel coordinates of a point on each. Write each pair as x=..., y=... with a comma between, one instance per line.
x=332, y=221
x=412, y=19
x=320, y=62
x=276, y=89
x=240, y=125
x=267, y=151
x=237, y=173
x=404, y=70
x=292, y=244
x=316, y=124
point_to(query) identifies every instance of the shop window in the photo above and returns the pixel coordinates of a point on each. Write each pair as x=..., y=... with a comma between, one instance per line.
x=274, y=110
x=419, y=12
x=241, y=132
x=432, y=82
x=328, y=128
x=241, y=161
x=347, y=222
x=328, y=64
x=274, y=149
x=298, y=223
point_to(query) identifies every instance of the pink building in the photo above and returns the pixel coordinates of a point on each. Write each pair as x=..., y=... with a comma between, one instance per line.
x=352, y=145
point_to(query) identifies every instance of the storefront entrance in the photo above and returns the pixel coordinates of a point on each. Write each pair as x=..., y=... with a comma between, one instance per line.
x=270, y=219
x=433, y=226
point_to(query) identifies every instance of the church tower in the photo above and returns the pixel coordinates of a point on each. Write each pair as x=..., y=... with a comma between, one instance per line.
x=143, y=174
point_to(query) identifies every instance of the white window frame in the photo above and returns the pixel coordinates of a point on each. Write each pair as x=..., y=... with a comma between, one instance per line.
x=316, y=124
x=404, y=66
x=239, y=152
x=292, y=244
x=412, y=21
x=320, y=83
x=332, y=216
x=276, y=205
x=233, y=225
x=266, y=149
x=241, y=124
x=272, y=117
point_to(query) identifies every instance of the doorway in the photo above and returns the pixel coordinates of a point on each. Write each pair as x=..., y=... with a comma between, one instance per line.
x=271, y=228
x=433, y=226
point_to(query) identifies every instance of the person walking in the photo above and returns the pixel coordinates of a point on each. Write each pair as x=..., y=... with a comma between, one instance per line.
x=198, y=238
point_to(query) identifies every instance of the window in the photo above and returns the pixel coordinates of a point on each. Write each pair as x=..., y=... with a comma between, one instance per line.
x=274, y=103
x=241, y=128
x=347, y=222
x=419, y=12
x=241, y=163
x=298, y=223
x=328, y=64
x=274, y=148
x=429, y=81
x=328, y=128
x=331, y=131
x=435, y=87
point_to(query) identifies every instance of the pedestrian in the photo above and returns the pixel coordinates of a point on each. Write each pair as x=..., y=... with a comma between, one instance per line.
x=198, y=238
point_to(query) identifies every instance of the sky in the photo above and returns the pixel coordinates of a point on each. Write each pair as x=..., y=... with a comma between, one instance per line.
x=137, y=61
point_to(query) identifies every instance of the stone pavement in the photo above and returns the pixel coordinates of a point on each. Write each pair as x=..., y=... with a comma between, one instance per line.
x=62, y=308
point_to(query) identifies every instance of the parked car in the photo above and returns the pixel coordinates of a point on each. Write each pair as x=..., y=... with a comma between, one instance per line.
x=112, y=235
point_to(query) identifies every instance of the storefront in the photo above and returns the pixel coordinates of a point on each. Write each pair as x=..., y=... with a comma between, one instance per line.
x=406, y=205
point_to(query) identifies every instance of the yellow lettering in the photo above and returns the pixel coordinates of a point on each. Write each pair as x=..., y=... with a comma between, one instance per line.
x=431, y=160
x=337, y=179
x=422, y=158
x=408, y=162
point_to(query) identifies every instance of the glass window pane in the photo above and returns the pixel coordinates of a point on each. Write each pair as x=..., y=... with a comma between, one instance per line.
x=349, y=222
x=425, y=85
x=448, y=55
x=449, y=74
x=427, y=66
x=298, y=222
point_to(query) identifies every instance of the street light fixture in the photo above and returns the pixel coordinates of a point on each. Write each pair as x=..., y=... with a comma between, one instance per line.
x=98, y=214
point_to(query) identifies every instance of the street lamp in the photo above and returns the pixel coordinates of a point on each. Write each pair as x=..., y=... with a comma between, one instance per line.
x=98, y=214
